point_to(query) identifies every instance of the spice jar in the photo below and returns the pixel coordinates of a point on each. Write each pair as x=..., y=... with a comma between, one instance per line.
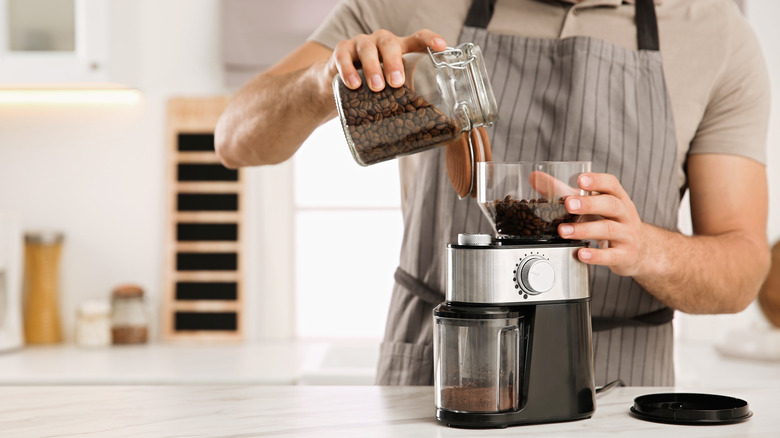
x=42, y=250
x=93, y=324
x=444, y=95
x=129, y=321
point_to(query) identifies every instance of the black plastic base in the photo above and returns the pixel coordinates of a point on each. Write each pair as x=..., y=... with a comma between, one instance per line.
x=498, y=420
x=557, y=375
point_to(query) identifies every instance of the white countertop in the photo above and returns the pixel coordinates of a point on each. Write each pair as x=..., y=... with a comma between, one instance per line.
x=320, y=411
x=259, y=362
x=289, y=363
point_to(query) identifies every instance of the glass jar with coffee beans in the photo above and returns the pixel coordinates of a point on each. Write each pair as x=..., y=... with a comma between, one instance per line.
x=445, y=94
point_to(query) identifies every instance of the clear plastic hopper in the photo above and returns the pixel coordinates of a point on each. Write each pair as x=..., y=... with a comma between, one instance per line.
x=525, y=200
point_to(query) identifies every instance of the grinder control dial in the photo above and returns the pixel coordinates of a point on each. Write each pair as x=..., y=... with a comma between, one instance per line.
x=535, y=275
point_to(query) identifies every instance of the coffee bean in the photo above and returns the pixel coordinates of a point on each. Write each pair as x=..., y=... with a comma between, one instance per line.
x=528, y=218
x=397, y=121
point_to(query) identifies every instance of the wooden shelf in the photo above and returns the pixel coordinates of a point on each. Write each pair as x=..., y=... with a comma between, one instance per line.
x=208, y=187
x=207, y=216
x=208, y=247
x=203, y=276
x=197, y=157
x=203, y=273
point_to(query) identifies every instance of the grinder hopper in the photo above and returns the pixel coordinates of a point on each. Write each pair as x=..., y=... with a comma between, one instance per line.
x=524, y=200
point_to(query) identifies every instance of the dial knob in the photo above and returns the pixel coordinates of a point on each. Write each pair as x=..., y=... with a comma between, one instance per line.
x=537, y=275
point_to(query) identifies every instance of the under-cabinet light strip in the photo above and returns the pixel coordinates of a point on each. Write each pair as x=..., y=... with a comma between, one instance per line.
x=74, y=97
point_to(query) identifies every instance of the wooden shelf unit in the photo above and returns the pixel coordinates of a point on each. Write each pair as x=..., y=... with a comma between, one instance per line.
x=204, y=244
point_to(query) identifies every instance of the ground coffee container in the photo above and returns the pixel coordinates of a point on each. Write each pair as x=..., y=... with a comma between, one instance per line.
x=445, y=95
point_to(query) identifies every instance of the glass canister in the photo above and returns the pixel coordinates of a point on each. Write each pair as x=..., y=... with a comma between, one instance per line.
x=445, y=94
x=42, y=251
x=93, y=324
x=478, y=358
x=129, y=319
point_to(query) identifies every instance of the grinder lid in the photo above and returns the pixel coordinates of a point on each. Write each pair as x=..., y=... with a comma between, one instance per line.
x=690, y=408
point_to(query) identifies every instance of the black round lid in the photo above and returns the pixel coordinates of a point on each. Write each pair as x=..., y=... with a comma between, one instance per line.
x=690, y=408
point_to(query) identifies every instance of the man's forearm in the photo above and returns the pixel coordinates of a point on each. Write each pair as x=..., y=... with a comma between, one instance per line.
x=703, y=274
x=270, y=117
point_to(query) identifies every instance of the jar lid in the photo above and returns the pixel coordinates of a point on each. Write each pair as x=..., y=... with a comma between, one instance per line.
x=128, y=291
x=44, y=237
x=461, y=167
x=690, y=408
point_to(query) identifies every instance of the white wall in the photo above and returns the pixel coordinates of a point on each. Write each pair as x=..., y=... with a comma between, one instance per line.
x=762, y=16
x=96, y=172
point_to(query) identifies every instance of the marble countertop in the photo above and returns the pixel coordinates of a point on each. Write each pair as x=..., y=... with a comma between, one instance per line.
x=260, y=363
x=321, y=411
x=290, y=363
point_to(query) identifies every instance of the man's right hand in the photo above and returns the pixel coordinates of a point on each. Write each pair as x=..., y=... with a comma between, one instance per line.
x=372, y=52
x=275, y=112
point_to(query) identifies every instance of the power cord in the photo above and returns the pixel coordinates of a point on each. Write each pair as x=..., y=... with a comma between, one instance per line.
x=609, y=386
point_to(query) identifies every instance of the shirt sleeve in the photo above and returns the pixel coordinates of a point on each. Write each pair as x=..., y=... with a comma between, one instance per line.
x=736, y=117
x=354, y=17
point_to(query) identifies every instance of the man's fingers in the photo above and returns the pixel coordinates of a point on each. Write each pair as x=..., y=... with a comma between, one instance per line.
x=601, y=205
x=390, y=49
x=602, y=257
x=344, y=54
x=597, y=230
x=380, y=57
x=423, y=39
x=369, y=59
x=602, y=183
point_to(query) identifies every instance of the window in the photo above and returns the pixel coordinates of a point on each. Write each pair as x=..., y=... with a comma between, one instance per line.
x=348, y=230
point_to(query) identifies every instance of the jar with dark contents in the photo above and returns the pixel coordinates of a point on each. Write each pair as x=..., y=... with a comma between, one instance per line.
x=444, y=95
x=129, y=319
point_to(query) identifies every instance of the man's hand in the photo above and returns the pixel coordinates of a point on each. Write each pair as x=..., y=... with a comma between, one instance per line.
x=618, y=228
x=717, y=270
x=372, y=52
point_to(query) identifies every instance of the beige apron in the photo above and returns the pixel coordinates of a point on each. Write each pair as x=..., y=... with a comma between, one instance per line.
x=576, y=98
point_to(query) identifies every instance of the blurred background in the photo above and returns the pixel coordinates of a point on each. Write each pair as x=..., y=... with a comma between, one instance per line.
x=86, y=136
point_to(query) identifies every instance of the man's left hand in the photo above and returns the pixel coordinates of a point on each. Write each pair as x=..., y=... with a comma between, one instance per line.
x=617, y=226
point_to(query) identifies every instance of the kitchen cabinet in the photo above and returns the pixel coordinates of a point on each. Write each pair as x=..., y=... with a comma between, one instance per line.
x=55, y=43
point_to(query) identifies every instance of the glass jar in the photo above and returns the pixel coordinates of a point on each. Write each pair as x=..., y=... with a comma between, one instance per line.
x=445, y=94
x=93, y=324
x=129, y=321
x=42, y=252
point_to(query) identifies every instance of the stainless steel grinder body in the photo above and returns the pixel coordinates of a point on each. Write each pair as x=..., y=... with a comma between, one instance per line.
x=513, y=341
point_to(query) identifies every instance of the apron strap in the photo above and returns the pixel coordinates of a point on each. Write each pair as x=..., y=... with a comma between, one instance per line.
x=417, y=287
x=481, y=11
x=661, y=316
x=646, y=25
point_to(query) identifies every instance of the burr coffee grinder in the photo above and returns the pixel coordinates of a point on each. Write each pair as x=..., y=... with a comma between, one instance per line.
x=513, y=341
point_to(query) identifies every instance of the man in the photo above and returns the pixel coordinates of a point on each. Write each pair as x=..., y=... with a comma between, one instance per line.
x=574, y=80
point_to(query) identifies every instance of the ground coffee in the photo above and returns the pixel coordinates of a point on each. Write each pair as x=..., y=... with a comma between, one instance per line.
x=469, y=399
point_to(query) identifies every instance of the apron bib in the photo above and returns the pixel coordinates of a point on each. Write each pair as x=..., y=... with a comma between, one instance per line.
x=576, y=98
